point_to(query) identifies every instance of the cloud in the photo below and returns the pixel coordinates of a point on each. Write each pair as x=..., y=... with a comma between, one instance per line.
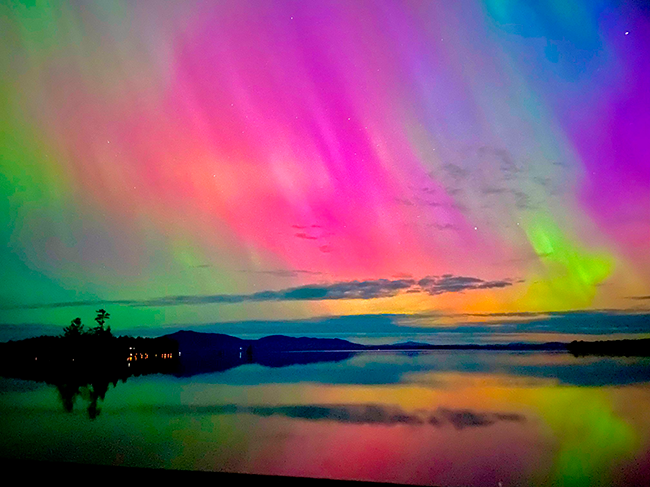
x=456, y=172
x=404, y=201
x=502, y=157
x=442, y=226
x=368, y=289
x=430, y=191
x=492, y=190
x=70, y=304
x=450, y=284
x=305, y=236
x=522, y=200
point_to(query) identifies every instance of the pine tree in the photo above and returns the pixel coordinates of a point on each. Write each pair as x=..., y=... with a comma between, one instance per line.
x=76, y=329
x=101, y=318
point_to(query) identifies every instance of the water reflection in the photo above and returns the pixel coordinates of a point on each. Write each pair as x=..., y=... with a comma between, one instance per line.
x=371, y=369
x=198, y=364
x=91, y=394
x=91, y=385
x=372, y=414
x=439, y=418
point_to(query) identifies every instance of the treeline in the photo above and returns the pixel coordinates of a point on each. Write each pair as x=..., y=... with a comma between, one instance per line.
x=620, y=348
x=84, y=351
x=77, y=329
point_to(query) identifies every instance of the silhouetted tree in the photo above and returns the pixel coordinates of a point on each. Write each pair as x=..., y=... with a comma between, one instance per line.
x=101, y=318
x=75, y=330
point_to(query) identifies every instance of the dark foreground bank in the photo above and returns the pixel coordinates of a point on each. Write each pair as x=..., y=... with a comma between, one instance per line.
x=38, y=471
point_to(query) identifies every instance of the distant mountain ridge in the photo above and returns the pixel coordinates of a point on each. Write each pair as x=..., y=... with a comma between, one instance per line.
x=204, y=342
x=210, y=343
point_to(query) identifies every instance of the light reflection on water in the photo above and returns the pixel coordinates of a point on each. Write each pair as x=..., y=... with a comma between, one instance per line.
x=441, y=418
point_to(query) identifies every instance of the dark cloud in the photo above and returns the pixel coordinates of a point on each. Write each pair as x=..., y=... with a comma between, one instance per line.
x=404, y=201
x=420, y=200
x=640, y=297
x=305, y=236
x=450, y=284
x=432, y=204
x=596, y=322
x=379, y=288
x=522, y=200
x=493, y=190
x=500, y=158
x=455, y=172
x=460, y=207
x=369, y=289
x=442, y=226
x=69, y=304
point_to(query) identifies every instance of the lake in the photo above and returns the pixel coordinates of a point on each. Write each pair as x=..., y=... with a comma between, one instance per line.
x=428, y=418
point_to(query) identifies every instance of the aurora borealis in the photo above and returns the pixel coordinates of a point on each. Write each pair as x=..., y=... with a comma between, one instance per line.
x=194, y=162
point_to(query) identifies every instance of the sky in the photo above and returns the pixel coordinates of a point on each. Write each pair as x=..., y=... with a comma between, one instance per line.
x=183, y=163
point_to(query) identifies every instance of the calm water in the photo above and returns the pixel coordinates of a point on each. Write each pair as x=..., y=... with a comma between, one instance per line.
x=441, y=418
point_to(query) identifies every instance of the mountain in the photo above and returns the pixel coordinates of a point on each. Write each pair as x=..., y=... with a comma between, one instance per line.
x=207, y=342
x=215, y=343
x=211, y=343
